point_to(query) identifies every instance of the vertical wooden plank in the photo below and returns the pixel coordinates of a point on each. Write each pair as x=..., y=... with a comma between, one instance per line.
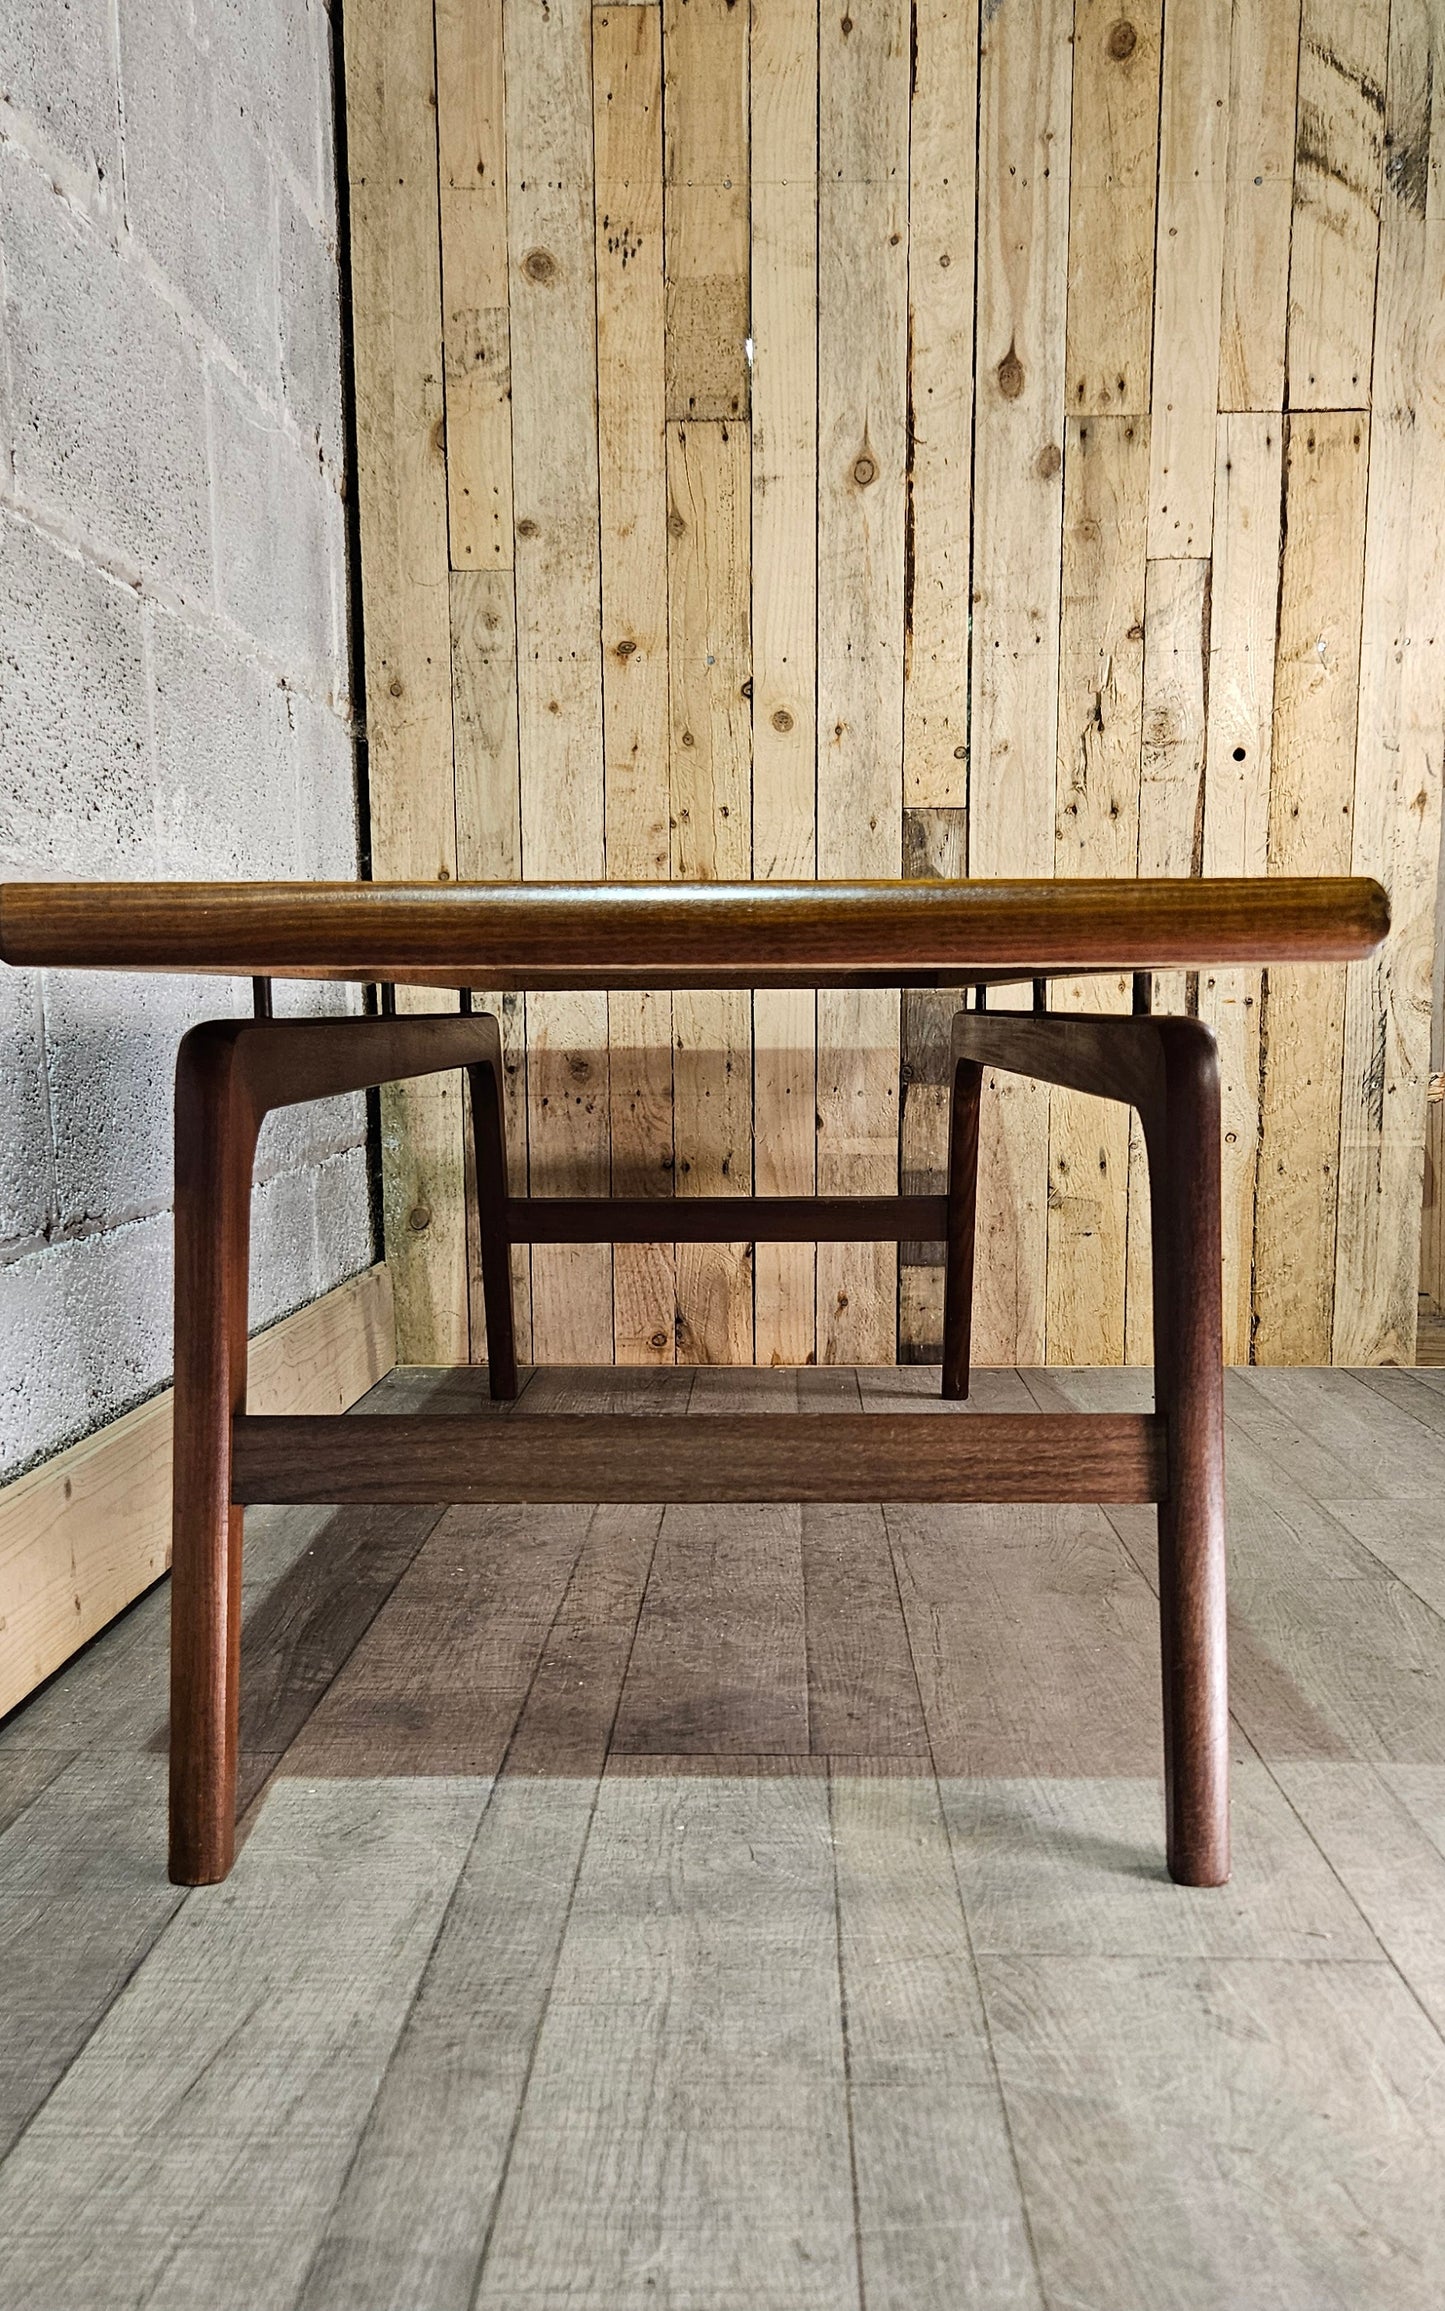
x=1024, y=126
x=1402, y=714
x=709, y=453
x=397, y=304
x=1193, y=157
x=550, y=224
x=489, y=849
x=477, y=338
x=705, y=65
x=484, y=714
x=1311, y=806
x=627, y=116
x=1171, y=794
x=640, y=1085
x=708, y=471
x=1336, y=227
x=1263, y=72
x=1171, y=823
x=1236, y=806
x=785, y=1104
x=862, y=482
x=1113, y=171
x=784, y=159
x=708, y=495
x=554, y=434
x=627, y=102
x=712, y=1122
x=471, y=137
x=1101, y=671
x=941, y=167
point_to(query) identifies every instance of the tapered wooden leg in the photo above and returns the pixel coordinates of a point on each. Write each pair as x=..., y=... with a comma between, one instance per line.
x=216, y=1128
x=489, y=1136
x=1182, y=1134
x=962, y=1210
x=230, y=1072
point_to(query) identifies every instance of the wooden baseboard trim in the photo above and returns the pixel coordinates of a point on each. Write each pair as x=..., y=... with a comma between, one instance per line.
x=82, y=1535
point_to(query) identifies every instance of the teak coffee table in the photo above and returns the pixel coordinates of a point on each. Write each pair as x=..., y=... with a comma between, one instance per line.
x=974, y=935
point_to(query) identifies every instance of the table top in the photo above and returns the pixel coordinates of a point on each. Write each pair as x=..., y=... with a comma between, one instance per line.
x=500, y=936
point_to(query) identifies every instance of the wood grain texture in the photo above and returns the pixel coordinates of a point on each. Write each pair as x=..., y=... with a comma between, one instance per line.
x=1097, y=2050
x=863, y=162
x=751, y=1458
x=941, y=226
x=397, y=299
x=1263, y=88
x=1311, y=812
x=1193, y=163
x=416, y=2212
x=1024, y=131
x=883, y=932
x=632, y=467
x=783, y=93
x=1114, y=170
x=341, y=1881
x=1335, y=238
x=718, y=2026
x=1398, y=759
x=1101, y=668
x=1248, y=517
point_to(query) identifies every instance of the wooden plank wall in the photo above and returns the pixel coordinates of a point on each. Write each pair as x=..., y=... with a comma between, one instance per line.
x=980, y=436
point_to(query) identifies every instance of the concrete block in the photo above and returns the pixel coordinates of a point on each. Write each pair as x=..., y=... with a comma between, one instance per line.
x=327, y=841
x=198, y=180
x=27, y=1159
x=107, y=391
x=310, y=317
x=85, y=1333
x=225, y=784
x=345, y=1242
x=278, y=57
x=183, y=714
x=75, y=796
x=111, y=1044
x=309, y=1231
x=284, y=1263
x=317, y=999
x=57, y=70
x=293, y=1138
x=280, y=538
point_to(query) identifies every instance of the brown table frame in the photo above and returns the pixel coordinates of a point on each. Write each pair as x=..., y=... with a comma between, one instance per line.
x=232, y=1072
x=930, y=933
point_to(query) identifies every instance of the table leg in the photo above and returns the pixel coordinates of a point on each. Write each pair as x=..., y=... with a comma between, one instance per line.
x=962, y=1210
x=1167, y=1069
x=1184, y=1187
x=489, y=1138
x=216, y=1128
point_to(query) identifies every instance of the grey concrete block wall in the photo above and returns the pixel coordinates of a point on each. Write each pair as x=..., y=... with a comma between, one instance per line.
x=174, y=693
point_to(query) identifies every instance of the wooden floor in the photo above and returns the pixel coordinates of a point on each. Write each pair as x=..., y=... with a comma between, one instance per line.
x=755, y=1909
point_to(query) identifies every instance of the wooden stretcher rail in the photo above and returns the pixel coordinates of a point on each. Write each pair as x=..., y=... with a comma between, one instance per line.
x=751, y=934
x=724, y=1219
x=749, y=1457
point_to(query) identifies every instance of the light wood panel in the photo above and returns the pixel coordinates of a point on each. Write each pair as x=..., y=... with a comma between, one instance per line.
x=86, y=1533
x=939, y=439
x=400, y=422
